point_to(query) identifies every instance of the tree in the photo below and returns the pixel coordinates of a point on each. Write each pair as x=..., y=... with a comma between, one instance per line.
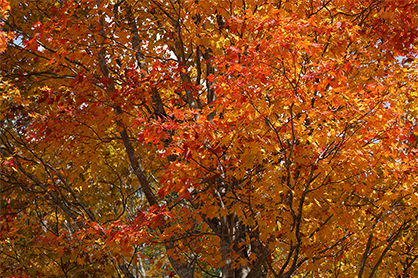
x=209, y=138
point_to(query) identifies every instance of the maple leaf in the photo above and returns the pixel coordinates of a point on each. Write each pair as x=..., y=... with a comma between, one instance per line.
x=208, y=138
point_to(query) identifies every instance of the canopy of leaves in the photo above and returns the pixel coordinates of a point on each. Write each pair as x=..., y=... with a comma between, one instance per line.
x=187, y=138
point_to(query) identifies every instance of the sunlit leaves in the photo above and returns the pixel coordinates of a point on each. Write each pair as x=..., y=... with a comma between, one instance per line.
x=272, y=136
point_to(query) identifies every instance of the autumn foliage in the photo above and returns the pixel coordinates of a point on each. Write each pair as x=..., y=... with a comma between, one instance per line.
x=233, y=139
